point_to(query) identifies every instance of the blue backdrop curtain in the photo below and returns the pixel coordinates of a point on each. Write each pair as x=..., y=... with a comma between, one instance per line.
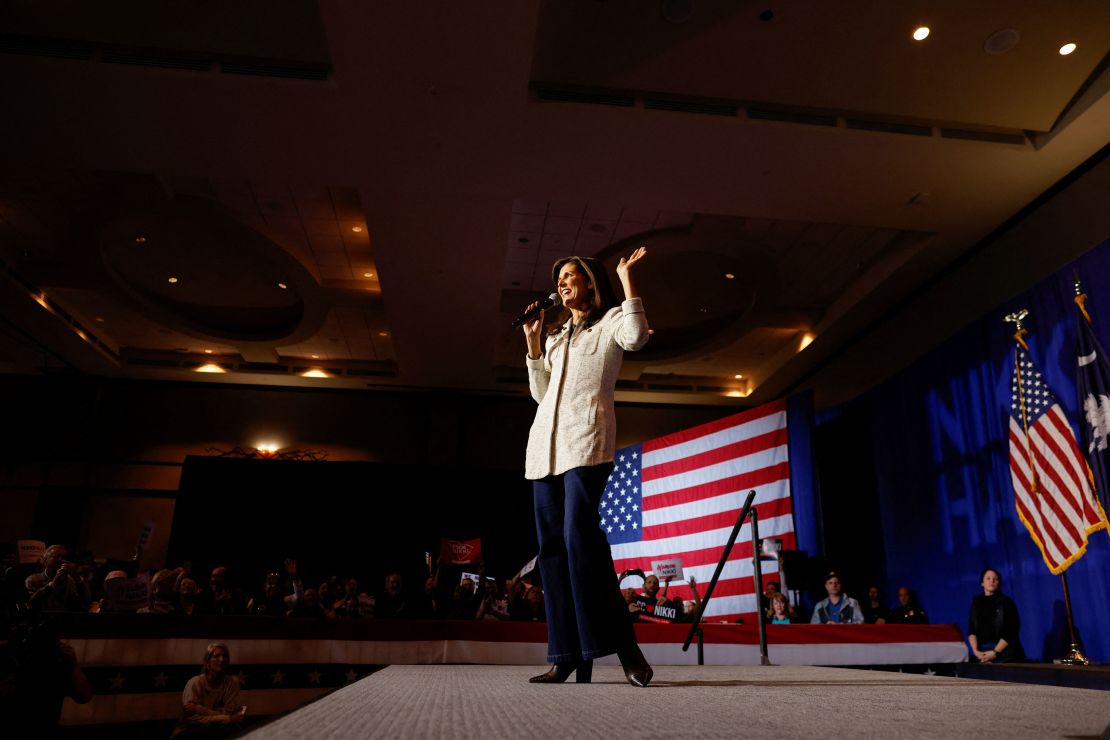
x=939, y=434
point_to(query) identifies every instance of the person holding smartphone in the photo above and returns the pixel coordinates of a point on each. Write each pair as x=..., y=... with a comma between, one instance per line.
x=211, y=700
x=572, y=374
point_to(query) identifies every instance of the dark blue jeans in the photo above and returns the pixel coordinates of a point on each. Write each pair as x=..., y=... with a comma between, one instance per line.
x=586, y=615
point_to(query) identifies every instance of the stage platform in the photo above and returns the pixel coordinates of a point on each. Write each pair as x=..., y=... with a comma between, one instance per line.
x=689, y=701
x=138, y=664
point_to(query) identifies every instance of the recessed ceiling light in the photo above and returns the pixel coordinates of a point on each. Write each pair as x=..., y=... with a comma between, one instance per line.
x=210, y=367
x=368, y=274
x=100, y=319
x=283, y=286
x=730, y=276
x=807, y=339
x=1067, y=48
x=314, y=373
x=140, y=240
x=738, y=376
x=356, y=229
x=383, y=334
x=83, y=335
x=920, y=33
x=207, y=351
x=316, y=357
x=172, y=280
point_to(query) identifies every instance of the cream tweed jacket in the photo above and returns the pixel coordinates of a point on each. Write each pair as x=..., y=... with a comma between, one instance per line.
x=575, y=425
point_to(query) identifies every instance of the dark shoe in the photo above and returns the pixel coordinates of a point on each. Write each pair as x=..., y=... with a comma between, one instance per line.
x=584, y=672
x=636, y=668
x=558, y=673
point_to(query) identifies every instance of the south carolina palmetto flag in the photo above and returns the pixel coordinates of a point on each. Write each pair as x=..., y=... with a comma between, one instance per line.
x=1052, y=486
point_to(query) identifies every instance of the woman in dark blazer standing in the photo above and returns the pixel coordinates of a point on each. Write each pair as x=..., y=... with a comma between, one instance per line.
x=572, y=374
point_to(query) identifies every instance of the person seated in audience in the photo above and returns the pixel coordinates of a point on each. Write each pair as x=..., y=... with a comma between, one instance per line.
x=838, y=607
x=391, y=603
x=781, y=611
x=105, y=604
x=873, y=610
x=91, y=583
x=222, y=598
x=534, y=597
x=274, y=601
x=908, y=612
x=161, y=594
x=308, y=607
x=519, y=611
x=211, y=700
x=494, y=605
x=346, y=606
x=993, y=625
x=187, y=596
x=56, y=587
x=325, y=598
x=464, y=604
x=650, y=593
x=772, y=587
x=427, y=604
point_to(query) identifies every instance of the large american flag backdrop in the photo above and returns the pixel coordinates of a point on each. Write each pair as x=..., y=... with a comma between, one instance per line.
x=678, y=496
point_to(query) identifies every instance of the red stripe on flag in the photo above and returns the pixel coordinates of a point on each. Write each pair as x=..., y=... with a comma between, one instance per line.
x=1070, y=458
x=1069, y=484
x=720, y=520
x=1063, y=506
x=734, y=451
x=686, y=435
x=733, y=484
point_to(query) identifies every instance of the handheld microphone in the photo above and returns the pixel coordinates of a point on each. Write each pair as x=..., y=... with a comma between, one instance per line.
x=551, y=300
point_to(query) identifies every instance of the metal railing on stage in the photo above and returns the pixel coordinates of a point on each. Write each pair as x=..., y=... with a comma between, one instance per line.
x=747, y=511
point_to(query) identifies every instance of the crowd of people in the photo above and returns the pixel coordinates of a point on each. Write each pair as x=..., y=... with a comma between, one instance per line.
x=59, y=584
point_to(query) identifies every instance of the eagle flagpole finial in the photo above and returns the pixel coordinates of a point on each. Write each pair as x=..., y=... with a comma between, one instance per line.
x=1017, y=317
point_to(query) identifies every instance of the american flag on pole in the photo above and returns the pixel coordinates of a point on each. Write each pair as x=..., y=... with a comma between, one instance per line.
x=1052, y=490
x=678, y=496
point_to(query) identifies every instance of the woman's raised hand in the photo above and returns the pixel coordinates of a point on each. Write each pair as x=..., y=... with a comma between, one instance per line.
x=628, y=262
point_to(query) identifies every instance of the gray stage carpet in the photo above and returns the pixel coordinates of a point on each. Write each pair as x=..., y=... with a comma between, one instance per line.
x=471, y=701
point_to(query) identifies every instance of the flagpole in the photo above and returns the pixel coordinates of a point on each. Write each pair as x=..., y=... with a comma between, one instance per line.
x=1074, y=656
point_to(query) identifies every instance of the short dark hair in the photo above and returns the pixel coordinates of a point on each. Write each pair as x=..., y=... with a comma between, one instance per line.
x=991, y=570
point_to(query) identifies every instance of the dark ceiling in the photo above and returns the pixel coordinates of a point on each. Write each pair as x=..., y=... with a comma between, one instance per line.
x=369, y=192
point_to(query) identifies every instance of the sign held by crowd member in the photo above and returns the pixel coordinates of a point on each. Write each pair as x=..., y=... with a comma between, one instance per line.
x=31, y=551
x=474, y=577
x=124, y=595
x=529, y=567
x=664, y=569
x=460, y=552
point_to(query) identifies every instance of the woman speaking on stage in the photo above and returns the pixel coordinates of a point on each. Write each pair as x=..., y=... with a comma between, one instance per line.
x=572, y=372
